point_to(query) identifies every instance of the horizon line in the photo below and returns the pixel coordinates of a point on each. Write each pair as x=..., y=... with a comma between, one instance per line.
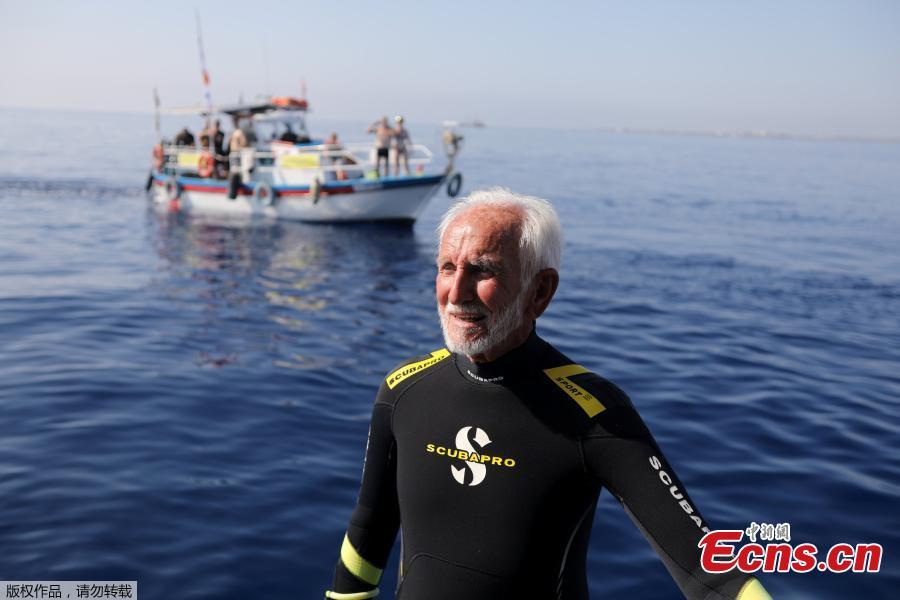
x=662, y=131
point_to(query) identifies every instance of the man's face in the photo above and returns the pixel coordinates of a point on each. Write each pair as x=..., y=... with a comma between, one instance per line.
x=479, y=286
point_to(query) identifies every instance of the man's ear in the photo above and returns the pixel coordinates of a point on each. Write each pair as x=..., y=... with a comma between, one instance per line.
x=545, y=284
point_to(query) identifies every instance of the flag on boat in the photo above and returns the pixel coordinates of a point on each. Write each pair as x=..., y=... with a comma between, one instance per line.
x=206, y=93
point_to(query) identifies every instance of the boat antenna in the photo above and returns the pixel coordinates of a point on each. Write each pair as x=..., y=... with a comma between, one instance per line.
x=207, y=95
x=156, y=113
x=266, y=67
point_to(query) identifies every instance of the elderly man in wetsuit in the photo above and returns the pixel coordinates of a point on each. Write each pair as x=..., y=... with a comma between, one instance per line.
x=491, y=452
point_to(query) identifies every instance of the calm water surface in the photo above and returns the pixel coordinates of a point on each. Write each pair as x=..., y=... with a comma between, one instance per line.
x=184, y=401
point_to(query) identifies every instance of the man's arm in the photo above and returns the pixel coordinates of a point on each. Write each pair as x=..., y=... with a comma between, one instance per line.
x=373, y=525
x=621, y=452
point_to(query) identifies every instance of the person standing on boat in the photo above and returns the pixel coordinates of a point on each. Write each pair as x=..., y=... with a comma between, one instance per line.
x=402, y=144
x=238, y=139
x=206, y=136
x=383, y=135
x=218, y=144
x=331, y=150
x=289, y=136
x=184, y=137
x=218, y=137
x=237, y=143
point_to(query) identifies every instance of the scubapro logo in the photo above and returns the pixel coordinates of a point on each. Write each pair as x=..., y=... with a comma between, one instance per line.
x=462, y=443
x=476, y=460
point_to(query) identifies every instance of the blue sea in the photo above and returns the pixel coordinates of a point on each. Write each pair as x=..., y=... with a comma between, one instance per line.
x=184, y=401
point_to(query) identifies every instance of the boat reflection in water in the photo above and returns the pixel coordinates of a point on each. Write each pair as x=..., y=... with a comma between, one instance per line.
x=288, y=295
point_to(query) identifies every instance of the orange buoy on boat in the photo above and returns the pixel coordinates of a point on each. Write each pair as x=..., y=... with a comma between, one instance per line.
x=206, y=165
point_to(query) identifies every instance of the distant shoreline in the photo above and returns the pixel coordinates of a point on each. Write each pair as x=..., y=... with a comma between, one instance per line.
x=745, y=134
x=761, y=134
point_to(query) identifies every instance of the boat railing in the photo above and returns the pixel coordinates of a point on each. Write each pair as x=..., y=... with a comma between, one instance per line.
x=338, y=157
x=328, y=158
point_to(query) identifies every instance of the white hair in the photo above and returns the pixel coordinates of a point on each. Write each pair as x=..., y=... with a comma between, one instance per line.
x=540, y=241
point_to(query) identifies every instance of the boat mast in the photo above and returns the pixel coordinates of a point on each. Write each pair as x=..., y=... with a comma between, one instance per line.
x=205, y=73
x=156, y=114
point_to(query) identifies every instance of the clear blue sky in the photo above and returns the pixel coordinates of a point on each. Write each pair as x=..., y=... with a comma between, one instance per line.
x=813, y=67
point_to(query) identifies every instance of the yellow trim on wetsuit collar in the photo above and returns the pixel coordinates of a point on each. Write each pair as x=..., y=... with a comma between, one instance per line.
x=753, y=590
x=351, y=596
x=357, y=565
x=560, y=376
x=411, y=369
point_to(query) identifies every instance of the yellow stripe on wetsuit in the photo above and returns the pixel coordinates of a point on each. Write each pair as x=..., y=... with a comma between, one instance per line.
x=357, y=565
x=351, y=595
x=753, y=590
x=560, y=376
x=411, y=369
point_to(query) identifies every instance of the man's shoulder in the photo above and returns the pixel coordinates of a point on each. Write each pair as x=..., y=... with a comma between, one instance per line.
x=604, y=409
x=572, y=381
x=413, y=369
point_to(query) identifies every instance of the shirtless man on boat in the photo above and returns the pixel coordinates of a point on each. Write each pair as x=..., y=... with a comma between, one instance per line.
x=383, y=135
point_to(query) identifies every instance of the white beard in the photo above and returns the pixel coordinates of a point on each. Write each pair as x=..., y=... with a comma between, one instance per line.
x=499, y=326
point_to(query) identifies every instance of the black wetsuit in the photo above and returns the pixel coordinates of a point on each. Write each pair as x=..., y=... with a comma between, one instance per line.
x=494, y=470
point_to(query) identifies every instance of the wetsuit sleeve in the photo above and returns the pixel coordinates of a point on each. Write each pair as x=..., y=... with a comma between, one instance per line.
x=621, y=452
x=376, y=518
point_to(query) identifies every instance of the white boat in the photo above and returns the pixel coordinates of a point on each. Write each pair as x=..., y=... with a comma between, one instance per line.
x=302, y=179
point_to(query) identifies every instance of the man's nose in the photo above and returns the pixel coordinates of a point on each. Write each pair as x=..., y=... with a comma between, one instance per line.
x=462, y=288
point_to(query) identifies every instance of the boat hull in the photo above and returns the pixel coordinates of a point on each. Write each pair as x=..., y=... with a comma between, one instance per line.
x=386, y=199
